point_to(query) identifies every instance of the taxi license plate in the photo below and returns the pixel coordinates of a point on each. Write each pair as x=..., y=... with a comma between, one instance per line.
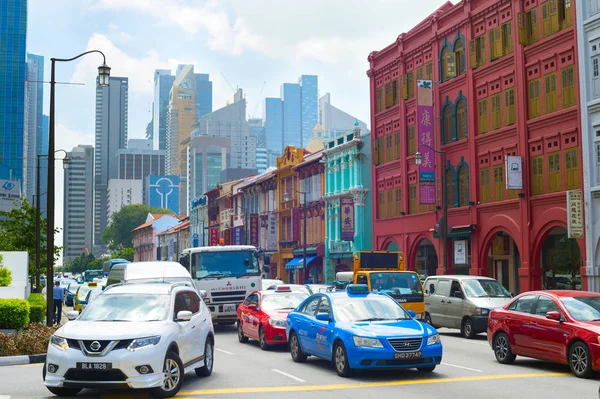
x=229, y=308
x=407, y=355
x=94, y=366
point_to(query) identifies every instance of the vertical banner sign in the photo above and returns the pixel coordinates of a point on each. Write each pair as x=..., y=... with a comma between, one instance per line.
x=272, y=231
x=227, y=237
x=296, y=224
x=514, y=172
x=214, y=236
x=254, y=229
x=171, y=251
x=575, y=213
x=425, y=123
x=347, y=218
x=237, y=235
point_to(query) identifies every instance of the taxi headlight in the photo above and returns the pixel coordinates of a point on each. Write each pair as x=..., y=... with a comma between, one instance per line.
x=434, y=339
x=367, y=342
x=59, y=343
x=142, y=343
x=482, y=311
x=277, y=322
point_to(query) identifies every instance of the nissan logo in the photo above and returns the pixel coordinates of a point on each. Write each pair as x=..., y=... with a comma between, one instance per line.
x=95, y=346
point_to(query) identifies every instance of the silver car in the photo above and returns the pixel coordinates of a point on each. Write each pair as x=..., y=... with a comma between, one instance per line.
x=463, y=302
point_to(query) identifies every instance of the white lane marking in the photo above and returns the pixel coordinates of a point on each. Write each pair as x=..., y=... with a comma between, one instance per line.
x=288, y=375
x=461, y=367
x=224, y=351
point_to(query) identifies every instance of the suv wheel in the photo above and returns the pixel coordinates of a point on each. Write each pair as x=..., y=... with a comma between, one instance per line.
x=209, y=359
x=468, y=330
x=173, y=370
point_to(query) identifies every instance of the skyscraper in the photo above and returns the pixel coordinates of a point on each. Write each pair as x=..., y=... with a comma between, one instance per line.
x=34, y=100
x=163, y=82
x=335, y=121
x=78, y=226
x=292, y=114
x=274, y=125
x=111, y=135
x=13, y=33
x=309, y=86
x=203, y=95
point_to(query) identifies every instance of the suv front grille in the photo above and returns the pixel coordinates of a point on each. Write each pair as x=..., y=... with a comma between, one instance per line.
x=405, y=344
x=95, y=375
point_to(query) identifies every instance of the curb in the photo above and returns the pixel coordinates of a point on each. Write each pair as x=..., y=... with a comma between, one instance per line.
x=21, y=360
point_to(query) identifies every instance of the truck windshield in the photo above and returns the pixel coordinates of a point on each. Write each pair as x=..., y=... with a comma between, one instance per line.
x=396, y=283
x=224, y=264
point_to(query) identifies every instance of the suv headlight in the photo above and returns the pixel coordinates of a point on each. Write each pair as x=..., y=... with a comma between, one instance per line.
x=142, y=343
x=367, y=342
x=434, y=339
x=482, y=311
x=277, y=322
x=59, y=343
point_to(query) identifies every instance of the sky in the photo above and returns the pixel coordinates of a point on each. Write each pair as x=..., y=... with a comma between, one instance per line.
x=255, y=45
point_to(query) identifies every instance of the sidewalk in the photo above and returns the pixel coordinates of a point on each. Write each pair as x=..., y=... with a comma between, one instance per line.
x=65, y=310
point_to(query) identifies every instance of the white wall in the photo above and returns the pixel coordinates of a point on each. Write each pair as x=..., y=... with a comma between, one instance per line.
x=17, y=263
x=123, y=192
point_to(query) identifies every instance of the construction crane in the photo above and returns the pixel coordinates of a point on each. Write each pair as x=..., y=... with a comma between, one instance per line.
x=258, y=100
x=228, y=84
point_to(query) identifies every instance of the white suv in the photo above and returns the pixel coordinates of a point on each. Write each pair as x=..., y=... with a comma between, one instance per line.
x=133, y=335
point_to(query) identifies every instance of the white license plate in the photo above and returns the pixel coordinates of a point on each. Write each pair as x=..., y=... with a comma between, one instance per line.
x=94, y=366
x=228, y=308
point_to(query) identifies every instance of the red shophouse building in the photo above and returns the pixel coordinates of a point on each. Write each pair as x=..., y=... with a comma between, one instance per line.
x=504, y=84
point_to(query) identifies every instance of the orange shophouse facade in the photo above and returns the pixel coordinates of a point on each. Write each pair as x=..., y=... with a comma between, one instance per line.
x=505, y=83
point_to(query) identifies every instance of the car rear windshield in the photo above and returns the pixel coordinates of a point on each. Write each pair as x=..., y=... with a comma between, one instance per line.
x=281, y=301
x=583, y=308
x=128, y=307
x=485, y=289
x=372, y=308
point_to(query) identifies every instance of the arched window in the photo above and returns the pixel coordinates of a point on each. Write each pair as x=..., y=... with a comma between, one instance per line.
x=447, y=124
x=449, y=188
x=461, y=120
x=459, y=51
x=444, y=57
x=463, y=186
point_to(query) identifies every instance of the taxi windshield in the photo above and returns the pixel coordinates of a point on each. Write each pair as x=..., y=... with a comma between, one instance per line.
x=583, y=308
x=485, y=289
x=281, y=301
x=127, y=307
x=83, y=291
x=396, y=283
x=371, y=308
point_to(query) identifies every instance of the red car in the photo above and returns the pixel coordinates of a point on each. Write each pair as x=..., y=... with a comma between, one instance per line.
x=263, y=315
x=557, y=326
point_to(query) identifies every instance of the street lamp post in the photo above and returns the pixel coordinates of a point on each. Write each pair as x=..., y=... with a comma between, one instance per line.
x=103, y=81
x=286, y=197
x=444, y=225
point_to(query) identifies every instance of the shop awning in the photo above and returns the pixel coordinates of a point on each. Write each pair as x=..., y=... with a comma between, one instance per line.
x=298, y=262
x=458, y=231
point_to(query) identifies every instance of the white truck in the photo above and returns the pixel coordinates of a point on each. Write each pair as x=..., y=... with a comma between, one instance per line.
x=227, y=274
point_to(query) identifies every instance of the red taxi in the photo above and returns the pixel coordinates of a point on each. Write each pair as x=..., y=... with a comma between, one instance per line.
x=263, y=315
x=556, y=326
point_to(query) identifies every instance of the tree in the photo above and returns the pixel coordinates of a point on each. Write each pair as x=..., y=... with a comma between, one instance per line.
x=5, y=275
x=118, y=234
x=17, y=233
x=125, y=253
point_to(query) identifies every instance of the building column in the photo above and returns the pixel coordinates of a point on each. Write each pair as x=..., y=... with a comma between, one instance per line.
x=352, y=167
x=358, y=171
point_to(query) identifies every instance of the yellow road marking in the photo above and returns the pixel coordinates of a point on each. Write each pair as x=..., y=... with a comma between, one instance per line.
x=298, y=388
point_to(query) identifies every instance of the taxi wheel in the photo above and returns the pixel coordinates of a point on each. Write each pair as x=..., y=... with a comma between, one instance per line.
x=428, y=369
x=340, y=360
x=262, y=339
x=241, y=337
x=580, y=360
x=502, y=349
x=468, y=330
x=298, y=355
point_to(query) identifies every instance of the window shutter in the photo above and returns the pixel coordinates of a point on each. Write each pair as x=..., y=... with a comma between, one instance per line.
x=533, y=25
x=404, y=87
x=481, y=59
x=523, y=34
x=553, y=11
x=451, y=65
x=472, y=54
x=545, y=19
x=568, y=13
x=509, y=38
x=497, y=42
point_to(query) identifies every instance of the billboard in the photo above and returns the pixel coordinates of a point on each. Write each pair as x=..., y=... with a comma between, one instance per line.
x=163, y=192
x=10, y=191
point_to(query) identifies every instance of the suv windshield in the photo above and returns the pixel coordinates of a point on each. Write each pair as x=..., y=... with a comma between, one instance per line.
x=372, y=308
x=396, y=283
x=225, y=264
x=583, y=308
x=485, y=289
x=128, y=307
x=280, y=301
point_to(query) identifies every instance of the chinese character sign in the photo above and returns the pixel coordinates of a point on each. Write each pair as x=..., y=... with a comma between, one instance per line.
x=272, y=231
x=425, y=136
x=254, y=229
x=575, y=214
x=214, y=236
x=347, y=218
x=237, y=235
x=427, y=194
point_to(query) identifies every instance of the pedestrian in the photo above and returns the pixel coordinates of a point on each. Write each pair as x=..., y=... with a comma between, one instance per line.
x=59, y=296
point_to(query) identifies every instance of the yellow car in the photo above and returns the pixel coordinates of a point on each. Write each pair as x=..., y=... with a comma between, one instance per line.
x=80, y=297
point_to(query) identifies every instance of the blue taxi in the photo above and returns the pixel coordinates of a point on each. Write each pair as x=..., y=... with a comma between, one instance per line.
x=358, y=329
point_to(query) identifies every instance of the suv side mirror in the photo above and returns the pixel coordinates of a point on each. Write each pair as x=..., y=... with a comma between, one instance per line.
x=72, y=315
x=458, y=294
x=184, y=315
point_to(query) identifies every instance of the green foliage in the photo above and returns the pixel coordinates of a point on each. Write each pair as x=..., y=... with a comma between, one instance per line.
x=37, y=308
x=31, y=341
x=5, y=275
x=14, y=313
x=17, y=233
x=118, y=234
x=125, y=253
x=82, y=263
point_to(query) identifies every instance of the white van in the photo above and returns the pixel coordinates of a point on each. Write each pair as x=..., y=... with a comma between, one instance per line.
x=149, y=272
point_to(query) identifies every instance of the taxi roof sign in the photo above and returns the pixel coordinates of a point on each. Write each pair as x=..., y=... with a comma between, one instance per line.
x=357, y=289
x=283, y=288
x=92, y=284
